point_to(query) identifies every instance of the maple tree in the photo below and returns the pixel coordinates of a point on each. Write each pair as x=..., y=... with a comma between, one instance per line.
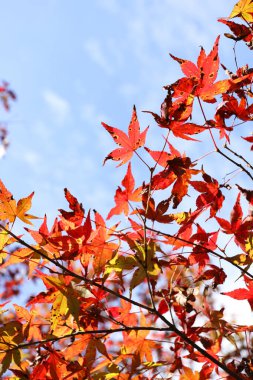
x=135, y=297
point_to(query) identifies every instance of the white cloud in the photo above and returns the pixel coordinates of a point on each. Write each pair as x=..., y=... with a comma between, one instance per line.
x=59, y=106
x=96, y=53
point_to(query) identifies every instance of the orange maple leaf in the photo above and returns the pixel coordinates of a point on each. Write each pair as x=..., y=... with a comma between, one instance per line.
x=129, y=143
x=123, y=197
x=11, y=210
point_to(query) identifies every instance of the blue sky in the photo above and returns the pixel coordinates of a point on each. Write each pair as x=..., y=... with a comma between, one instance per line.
x=75, y=64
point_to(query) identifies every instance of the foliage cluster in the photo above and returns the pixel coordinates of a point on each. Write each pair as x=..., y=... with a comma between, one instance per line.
x=136, y=299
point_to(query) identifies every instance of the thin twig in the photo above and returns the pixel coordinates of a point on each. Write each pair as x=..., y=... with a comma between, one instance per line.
x=239, y=156
x=235, y=163
x=201, y=247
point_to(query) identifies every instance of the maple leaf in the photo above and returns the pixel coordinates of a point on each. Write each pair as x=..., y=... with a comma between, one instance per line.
x=54, y=365
x=242, y=77
x=78, y=346
x=230, y=107
x=23, y=206
x=235, y=218
x=174, y=114
x=76, y=215
x=146, y=263
x=163, y=306
x=247, y=193
x=243, y=9
x=10, y=336
x=31, y=329
x=4, y=193
x=154, y=213
x=178, y=169
x=5, y=241
x=206, y=241
x=189, y=374
x=250, y=140
x=99, y=245
x=122, y=314
x=123, y=197
x=200, y=78
x=241, y=32
x=241, y=229
x=128, y=144
x=64, y=299
x=137, y=343
x=143, y=261
x=11, y=210
x=211, y=195
x=179, y=128
x=242, y=293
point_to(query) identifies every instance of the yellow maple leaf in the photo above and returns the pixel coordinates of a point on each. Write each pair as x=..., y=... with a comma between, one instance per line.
x=23, y=206
x=249, y=246
x=64, y=300
x=243, y=9
x=11, y=210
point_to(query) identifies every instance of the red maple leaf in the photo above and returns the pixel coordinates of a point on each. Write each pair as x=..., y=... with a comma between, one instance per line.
x=174, y=114
x=123, y=197
x=237, y=226
x=235, y=218
x=76, y=215
x=206, y=241
x=242, y=77
x=228, y=108
x=129, y=143
x=200, y=79
x=178, y=169
x=241, y=32
x=211, y=195
x=250, y=140
x=242, y=293
x=247, y=193
x=153, y=212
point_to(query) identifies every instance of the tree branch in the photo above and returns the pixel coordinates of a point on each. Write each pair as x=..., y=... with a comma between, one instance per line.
x=202, y=247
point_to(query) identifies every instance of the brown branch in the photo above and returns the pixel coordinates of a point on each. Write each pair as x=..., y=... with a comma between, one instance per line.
x=86, y=332
x=145, y=267
x=199, y=349
x=202, y=247
x=235, y=163
x=239, y=156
